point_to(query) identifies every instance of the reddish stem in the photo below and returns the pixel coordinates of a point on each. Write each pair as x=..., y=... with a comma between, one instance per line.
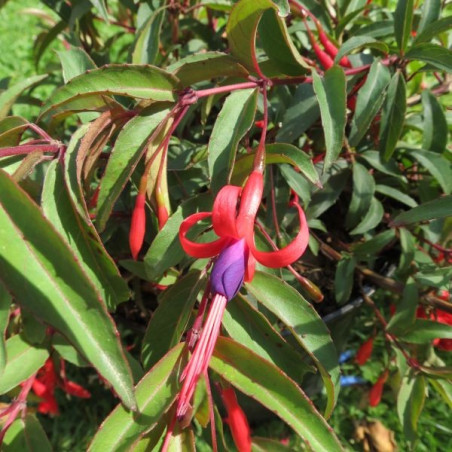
x=28, y=148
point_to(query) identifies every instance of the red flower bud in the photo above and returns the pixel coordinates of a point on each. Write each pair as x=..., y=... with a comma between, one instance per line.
x=162, y=215
x=377, y=389
x=137, y=226
x=237, y=421
x=76, y=390
x=365, y=351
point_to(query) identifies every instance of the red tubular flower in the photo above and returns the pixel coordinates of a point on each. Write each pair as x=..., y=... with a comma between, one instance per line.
x=365, y=351
x=237, y=421
x=377, y=389
x=331, y=49
x=137, y=226
x=231, y=227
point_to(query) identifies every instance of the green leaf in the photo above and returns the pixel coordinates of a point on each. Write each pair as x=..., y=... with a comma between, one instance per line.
x=54, y=288
x=408, y=246
x=437, y=165
x=423, y=331
x=305, y=325
x=88, y=91
x=431, y=10
x=74, y=62
x=267, y=384
x=371, y=219
x=437, y=56
x=323, y=199
x=410, y=402
x=129, y=147
x=46, y=38
x=82, y=238
x=205, y=66
x=146, y=47
x=369, y=101
x=435, y=125
x=390, y=167
x=433, y=29
x=241, y=31
x=23, y=360
x=170, y=320
x=396, y=194
x=360, y=42
x=235, y=119
x=302, y=112
x=393, y=115
x=5, y=304
x=343, y=280
x=278, y=153
x=405, y=315
x=370, y=248
x=67, y=351
x=101, y=7
x=10, y=95
x=403, y=22
x=331, y=95
x=166, y=250
x=444, y=388
x=278, y=46
x=362, y=195
x=268, y=445
x=26, y=435
x=154, y=393
x=246, y=325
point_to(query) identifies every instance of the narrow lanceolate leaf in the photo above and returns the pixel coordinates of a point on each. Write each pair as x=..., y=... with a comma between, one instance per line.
x=75, y=61
x=205, y=66
x=278, y=153
x=371, y=247
x=433, y=54
x=363, y=191
x=396, y=194
x=437, y=165
x=5, y=304
x=27, y=435
x=405, y=314
x=343, y=281
x=235, y=119
x=146, y=48
x=410, y=402
x=267, y=384
x=423, y=331
x=10, y=95
x=43, y=275
x=431, y=10
x=88, y=91
x=127, y=151
x=331, y=95
x=370, y=99
x=435, y=125
x=23, y=361
x=304, y=323
x=434, y=29
x=371, y=219
x=82, y=238
x=246, y=325
x=242, y=28
x=393, y=115
x=101, y=7
x=154, y=393
x=169, y=321
x=403, y=22
x=278, y=46
x=359, y=42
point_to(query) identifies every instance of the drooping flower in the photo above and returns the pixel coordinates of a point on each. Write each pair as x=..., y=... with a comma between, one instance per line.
x=233, y=219
x=237, y=421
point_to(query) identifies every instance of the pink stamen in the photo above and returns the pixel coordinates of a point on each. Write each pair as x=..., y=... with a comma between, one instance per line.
x=199, y=361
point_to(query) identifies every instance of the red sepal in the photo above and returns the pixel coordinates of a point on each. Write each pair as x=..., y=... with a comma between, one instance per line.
x=137, y=226
x=199, y=250
x=287, y=255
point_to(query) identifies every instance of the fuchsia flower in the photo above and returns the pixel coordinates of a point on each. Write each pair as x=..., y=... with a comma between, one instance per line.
x=233, y=218
x=364, y=352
